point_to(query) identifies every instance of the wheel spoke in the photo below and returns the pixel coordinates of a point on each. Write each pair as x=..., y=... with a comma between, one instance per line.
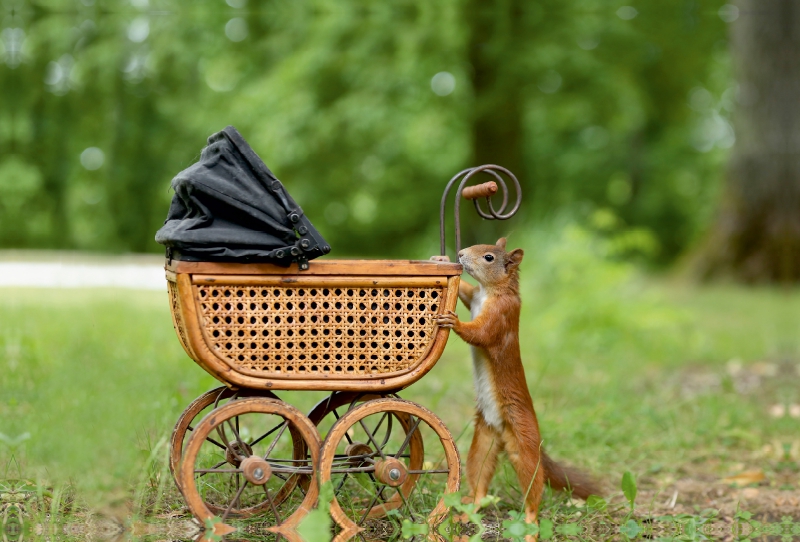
x=378, y=426
x=236, y=433
x=295, y=470
x=408, y=438
x=217, y=444
x=238, y=481
x=372, y=439
x=265, y=435
x=235, y=499
x=272, y=505
x=341, y=484
x=388, y=430
x=405, y=501
x=218, y=471
x=275, y=441
x=287, y=480
x=214, y=468
x=368, y=508
x=299, y=488
x=353, y=470
x=277, y=460
x=348, y=458
x=336, y=415
x=378, y=487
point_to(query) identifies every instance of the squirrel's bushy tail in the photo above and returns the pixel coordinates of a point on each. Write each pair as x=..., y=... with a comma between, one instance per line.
x=568, y=479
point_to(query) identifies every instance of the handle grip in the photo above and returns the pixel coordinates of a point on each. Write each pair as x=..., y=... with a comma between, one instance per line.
x=474, y=193
x=484, y=190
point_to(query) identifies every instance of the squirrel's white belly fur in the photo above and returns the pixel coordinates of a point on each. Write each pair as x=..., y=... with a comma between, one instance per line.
x=484, y=385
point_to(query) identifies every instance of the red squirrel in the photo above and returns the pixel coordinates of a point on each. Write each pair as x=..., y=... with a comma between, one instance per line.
x=505, y=419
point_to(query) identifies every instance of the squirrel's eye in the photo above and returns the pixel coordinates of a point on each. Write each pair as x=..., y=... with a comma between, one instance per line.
x=489, y=258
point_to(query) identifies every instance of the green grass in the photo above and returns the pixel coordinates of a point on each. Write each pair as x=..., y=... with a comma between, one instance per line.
x=626, y=374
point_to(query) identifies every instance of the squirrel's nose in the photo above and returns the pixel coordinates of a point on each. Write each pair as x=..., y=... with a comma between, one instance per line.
x=460, y=254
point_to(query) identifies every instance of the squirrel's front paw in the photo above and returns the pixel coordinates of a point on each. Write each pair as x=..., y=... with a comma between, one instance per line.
x=448, y=320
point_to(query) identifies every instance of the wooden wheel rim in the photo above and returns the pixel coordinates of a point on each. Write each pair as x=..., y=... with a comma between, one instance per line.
x=298, y=424
x=317, y=414
x=188, y=416
x=390, y=405
x=416, y=447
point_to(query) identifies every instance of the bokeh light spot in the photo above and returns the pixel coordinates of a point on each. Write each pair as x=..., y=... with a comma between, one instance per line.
x=550, y=82
x=372, y=168
x=11, y=46
x=713, y=130
x=728, y=13
x=238, y=4
x=700, y=99
x=92, y=158
x=222, y=73
x=135, y=68
x=92, y=196
x=236, y=29
x=55, y=73
x=59, y=75
x=139, y=29
x=364, y=208
x=626, y=13
x=443, y=83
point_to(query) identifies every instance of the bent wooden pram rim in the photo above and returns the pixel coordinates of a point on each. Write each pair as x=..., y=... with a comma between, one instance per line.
x=321, y=267
x=196, y=279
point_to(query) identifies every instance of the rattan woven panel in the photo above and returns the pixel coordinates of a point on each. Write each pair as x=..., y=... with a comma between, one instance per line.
x=340, y=332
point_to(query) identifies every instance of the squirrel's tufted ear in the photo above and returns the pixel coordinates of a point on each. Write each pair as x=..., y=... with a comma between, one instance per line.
x=513, y=259
x=502, y=243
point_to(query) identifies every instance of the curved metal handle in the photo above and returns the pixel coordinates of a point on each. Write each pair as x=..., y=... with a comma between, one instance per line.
x=474, y=193
x=485, y=190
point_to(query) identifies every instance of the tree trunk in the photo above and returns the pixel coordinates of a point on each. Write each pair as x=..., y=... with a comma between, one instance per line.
x=497, y=120
x=757, y=234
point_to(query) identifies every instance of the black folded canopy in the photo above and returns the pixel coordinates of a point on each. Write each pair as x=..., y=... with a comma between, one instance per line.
x=230, y=207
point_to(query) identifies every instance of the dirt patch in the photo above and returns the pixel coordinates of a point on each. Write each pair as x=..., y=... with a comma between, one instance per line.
x=692, y=495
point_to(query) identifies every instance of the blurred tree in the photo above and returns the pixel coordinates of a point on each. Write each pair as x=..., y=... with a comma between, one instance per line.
x=757, y=233
x=363, y=109
x=496, y=31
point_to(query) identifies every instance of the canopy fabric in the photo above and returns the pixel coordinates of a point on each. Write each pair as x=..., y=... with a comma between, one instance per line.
x=230, y=207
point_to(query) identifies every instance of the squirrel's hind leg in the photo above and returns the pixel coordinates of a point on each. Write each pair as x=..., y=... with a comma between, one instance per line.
x=487, y=443
x=523, y=452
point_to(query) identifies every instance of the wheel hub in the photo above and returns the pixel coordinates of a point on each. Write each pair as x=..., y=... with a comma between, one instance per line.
x=236, y=451
x=256, y=470
x=391, y=471
x=357, y=452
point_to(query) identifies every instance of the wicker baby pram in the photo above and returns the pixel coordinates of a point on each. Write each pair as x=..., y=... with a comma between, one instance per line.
x=360, y=329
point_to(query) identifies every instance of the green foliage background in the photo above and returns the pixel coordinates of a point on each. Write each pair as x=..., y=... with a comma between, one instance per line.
x=623, y=115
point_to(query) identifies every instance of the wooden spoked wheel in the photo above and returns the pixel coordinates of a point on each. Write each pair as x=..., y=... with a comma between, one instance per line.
x=374, y=456
x=194, y=413
x=327, y=412
x=239, y=461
